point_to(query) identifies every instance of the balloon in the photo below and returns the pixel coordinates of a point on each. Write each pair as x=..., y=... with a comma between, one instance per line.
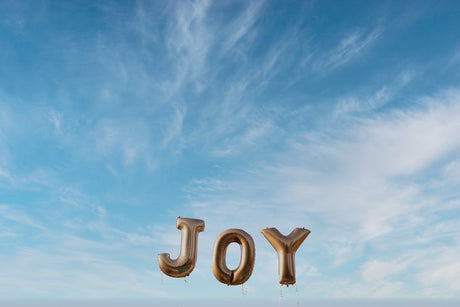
x=185, y=263
x=244, y=270
x=286, y=246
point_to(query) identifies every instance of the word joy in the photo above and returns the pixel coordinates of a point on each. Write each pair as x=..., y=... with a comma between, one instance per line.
x=285, y=246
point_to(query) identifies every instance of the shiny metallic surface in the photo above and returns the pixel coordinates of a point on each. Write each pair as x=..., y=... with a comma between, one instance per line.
x=286, y=247
x=185, y=263
x=244, y=270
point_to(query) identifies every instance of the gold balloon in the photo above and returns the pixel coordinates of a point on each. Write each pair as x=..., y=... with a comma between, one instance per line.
x=286, y=246
x=185, y=263
x=244, y=270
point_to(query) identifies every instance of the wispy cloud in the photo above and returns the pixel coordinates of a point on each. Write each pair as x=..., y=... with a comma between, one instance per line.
x=350, y=46
x=356, y=104
x=241, y=26
x=6, y=175
x=189, y=41
x=440, y=273
x=9, y=213
x=377, y=270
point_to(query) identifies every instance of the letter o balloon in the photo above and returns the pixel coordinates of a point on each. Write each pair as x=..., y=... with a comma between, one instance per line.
x=244, y=270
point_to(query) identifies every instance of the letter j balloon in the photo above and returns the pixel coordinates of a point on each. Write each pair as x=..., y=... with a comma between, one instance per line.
x=185, y=263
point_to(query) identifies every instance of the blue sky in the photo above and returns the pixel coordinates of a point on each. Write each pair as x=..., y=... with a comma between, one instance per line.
x=118, y=117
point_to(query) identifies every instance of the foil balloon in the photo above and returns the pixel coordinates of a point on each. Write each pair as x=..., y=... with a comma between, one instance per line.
x=286, y=246
x=244, y=270
x=185, y=263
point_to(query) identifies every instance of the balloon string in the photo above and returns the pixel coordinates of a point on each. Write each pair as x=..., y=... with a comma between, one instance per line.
x=281, y=295
x=162, y=281
x=297, y=294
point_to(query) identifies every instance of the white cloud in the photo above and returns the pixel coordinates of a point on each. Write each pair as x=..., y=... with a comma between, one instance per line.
x=377, y=270
x=5, y=174
x=452, y=171
x=55, y=119
x=439, y=271
x=241, y=25
x=189, y=40
x=174, y=129
x=55, y=274
x=352, y=45
x=356, y=104
x=9, y=213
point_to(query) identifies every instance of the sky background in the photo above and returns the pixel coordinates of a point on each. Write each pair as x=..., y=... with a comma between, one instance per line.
x=340, y=117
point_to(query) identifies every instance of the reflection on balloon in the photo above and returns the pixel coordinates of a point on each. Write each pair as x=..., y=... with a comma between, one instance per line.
x=286, y=246
x=185, y=263
x=244, y=270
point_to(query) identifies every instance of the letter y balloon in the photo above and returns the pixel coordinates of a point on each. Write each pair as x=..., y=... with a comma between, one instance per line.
x=286, y=246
